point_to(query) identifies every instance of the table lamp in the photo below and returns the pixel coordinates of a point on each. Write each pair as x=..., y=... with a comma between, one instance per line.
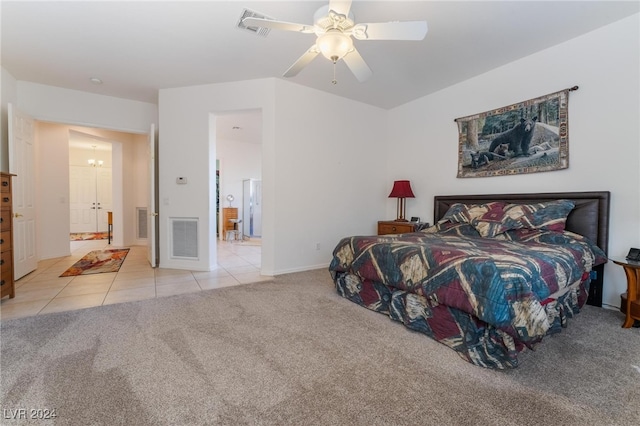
x=401, y=190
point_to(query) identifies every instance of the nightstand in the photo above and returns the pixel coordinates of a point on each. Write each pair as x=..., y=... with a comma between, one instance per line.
x=392, y=227
x=630, y=301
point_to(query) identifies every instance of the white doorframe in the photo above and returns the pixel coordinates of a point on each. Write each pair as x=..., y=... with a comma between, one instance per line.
x=152, y=204
x=117, y=180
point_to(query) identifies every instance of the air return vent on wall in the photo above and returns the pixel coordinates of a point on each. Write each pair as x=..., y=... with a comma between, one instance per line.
x=141, y=223
x=246, y=13
x=183, y=238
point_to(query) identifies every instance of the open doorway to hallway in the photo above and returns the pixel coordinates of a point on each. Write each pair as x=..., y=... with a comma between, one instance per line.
x=239, y=167
x=127, y=159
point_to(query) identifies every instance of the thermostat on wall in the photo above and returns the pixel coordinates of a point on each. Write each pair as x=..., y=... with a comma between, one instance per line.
x=181, y=180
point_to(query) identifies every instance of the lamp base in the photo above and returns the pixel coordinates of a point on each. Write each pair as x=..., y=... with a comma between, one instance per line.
x=400, y=210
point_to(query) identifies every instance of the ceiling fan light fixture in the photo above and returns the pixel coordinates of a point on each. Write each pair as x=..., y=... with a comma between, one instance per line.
x=335, y=30
x=334, y=44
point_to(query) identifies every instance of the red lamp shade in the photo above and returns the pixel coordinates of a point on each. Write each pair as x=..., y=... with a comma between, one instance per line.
x=401, y=189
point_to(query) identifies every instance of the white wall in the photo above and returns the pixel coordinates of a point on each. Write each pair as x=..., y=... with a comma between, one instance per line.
x=321, y=157
x=330, y=179
x=137, y=178
x=134, y=184
x=52, y=190
x=604, y=147
x=48, y=103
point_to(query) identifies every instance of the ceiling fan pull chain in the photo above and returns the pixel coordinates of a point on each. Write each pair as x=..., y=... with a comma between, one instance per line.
x=334, y=81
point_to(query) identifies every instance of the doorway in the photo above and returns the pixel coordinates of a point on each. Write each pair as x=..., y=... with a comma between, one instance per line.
x=128, y=160
x=238, y=139
x=90, y=186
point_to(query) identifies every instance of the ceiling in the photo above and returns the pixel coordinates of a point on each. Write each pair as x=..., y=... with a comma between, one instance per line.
x=139, y=47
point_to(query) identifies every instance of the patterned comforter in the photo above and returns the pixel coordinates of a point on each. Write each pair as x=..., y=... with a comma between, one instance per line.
x=487, y=298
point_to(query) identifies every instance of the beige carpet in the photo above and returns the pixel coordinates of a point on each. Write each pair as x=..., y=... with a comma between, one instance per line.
x=294, y=352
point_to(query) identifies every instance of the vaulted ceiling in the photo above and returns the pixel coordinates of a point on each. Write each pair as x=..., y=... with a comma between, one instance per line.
x=139, y=47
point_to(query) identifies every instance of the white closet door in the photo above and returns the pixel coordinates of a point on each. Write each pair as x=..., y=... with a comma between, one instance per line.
x=82, y=198
x=104, y=197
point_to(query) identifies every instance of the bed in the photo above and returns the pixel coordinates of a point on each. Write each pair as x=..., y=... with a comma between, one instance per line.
x=494, y=275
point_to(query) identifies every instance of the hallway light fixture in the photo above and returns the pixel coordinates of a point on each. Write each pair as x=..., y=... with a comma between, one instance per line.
x=92, y=161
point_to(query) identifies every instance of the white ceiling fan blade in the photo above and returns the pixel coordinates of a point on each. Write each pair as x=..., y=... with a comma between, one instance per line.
x=340, y=6
x=277, y=25
x=302, y=62
x=409, y=30
x=357, y=65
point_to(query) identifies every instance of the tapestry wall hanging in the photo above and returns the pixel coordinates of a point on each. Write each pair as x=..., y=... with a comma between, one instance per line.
x=527, y=137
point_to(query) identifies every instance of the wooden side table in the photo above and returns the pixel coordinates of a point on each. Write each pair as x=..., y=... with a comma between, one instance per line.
x=392, y=227
x=630, y=301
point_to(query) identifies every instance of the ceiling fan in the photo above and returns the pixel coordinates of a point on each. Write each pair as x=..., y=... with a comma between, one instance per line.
x=334, y=26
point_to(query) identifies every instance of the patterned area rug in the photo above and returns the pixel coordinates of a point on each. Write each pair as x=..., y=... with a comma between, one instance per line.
x=98, y=261
x=82, y=236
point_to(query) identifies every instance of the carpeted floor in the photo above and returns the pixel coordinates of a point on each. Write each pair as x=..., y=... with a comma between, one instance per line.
x=294, y=352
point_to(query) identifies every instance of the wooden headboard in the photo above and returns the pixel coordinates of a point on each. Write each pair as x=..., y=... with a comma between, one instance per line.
x=590, y=218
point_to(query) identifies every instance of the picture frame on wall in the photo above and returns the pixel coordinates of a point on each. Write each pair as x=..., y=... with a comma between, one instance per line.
x=527, y=137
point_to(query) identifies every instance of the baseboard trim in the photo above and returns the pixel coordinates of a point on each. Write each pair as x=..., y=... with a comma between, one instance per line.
x=300, y=269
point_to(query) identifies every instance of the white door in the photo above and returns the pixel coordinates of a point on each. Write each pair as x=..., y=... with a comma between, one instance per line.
x=82, y=199
x=152, y=255
x=90, y=198
x=104, y=197
x=22, y=164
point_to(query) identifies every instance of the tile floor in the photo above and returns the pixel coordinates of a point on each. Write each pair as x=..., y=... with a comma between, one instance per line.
x=44, y=291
